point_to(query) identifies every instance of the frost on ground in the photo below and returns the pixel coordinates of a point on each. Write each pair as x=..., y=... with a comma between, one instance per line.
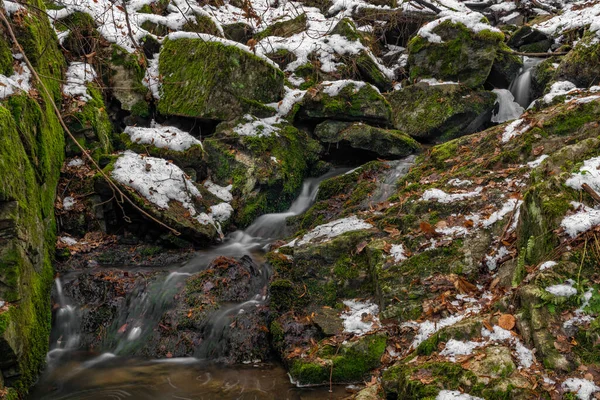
x=588, y=174
x=78, y=75
x=222, y=192
x=513, y=130
x=456, y=348
x=442, y=197
x=562, y=290
x=333, y=229
x=455, y=395
x=360, y=318
x=583, y=220
x=397, y=251
x=582, y=387
x=20, y=80
x=164, y=137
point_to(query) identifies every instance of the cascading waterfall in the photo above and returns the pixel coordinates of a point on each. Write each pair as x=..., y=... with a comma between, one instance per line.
x=65, y=336
x=508, y=108
x=521, y=86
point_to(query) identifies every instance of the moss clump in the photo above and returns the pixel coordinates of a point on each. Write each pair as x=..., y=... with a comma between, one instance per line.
x=202, y=24
x=6, y=58
x=284, y=28
x=582, y=64
x=463, y=56
x=352, y=362
x=212, y=80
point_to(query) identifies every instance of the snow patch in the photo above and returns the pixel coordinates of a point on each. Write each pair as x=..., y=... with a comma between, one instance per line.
x=455, y=395
x=583, y=387
x=222, y=192
x=19, y=80
x=333, y=229
x=583, y=220
x=512, y=130
x=442, y=197
x=397, y=251
x=456, y=348
x=360, y=318
x=164, y=137
x=538, y=161
x=78, y=75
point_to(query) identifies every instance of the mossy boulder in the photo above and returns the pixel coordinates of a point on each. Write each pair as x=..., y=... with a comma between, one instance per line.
x=124, y=73
x=529, y=39
x=31, y=155
x=83, y=37
x=239, y=32
x=355, y=101
x=462, y=56
x=212, y=80
x=440, y=112
x=582, y=64
x=382, y=142
x=541, y=75
x=346, y=363
x=6, y=58
x=266, y=167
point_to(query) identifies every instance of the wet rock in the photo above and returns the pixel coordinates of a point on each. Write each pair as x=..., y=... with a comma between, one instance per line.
x=505, y=69
x=329, y=321
x=440, y=112
x=541, y=75
x=238, y=32
x=125, y=77
x=345, y=101
x=383, y=142
x=463, y=56
x=234, y=83
x=528, y=39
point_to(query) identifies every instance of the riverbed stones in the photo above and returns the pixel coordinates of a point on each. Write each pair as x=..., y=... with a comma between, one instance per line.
x=216, y=80
x=439, y=112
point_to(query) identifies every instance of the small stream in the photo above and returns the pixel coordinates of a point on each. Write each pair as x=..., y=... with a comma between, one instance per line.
x=75, y=373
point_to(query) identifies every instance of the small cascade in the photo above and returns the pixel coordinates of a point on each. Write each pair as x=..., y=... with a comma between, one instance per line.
x=508, y=108
x=65, y=334
x=521, y=86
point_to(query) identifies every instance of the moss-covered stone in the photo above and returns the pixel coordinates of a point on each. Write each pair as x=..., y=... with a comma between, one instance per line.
x=351, y=103
x=351, y=362
x=124, y=74
x=383, y=142
x=202, y=24
x=215, y=81
x=541, y=75
x=582, y=65
x=463, y=56
x=527, y=38
x=31, y=154
x=505, y=68
x=83, y=37
x=6, y=58
x=266, y=170
x=239, y=32
x=440, y=112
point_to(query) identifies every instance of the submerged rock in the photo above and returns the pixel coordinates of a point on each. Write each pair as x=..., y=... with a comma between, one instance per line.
x=440, y=112
x=382, y=142
x=233, y=83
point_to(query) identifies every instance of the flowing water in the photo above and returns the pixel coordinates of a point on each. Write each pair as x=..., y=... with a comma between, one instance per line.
x=75, y=373
x=521, y=86
x=508, y=108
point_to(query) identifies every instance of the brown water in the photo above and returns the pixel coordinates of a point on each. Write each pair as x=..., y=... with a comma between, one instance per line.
x=109, y=377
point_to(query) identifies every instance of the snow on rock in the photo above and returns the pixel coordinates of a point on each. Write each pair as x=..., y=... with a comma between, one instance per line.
x=574, y=15
x=152, y=78
x=559, y=89
x=589, y=173
x=428, y=328
x=513, y=130
x=455, y=395
x=19, y=80
x=471, y=20
x=12, y=7
x=580, y=316
x=78, y=75
x=508, y=207
x=582, y=387
x=524, y=355
x=360, y=317
x=548, y=265
x=397, y=251
x=333, y=88
x=292, y=96
x=164, y=137
x=583, y=220
x=333, y=229
x=221, y=212
x=158, y=180
x=538, y=161
x=562, y=290
x=456, y=348
x=222, y=192
x=459, y=182
x=69, y=241
x=492, y=261
x=76, y=162
x=442, y=197
x=68, y=203
x=497, y=334
x=258, y=127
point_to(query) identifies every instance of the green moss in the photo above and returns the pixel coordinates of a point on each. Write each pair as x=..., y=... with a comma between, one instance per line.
x=580, y=65
x=83, y=36
x=141, y=109
x=352, y=362
x=6, y=58
x=242, y=78
x=202, y=24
